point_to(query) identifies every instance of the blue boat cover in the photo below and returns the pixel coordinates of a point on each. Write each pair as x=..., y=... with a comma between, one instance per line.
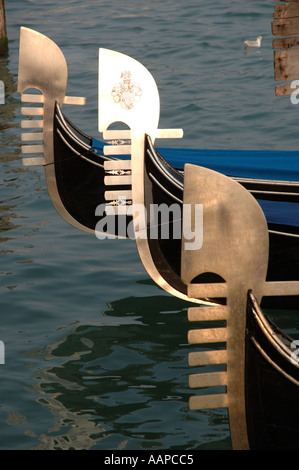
x=258, y=164
x=281, y=213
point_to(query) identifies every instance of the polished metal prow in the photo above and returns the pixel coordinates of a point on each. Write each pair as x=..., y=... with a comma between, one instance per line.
x=43, y=75
x=128, y=95
x=42, y=67
x=231, y=262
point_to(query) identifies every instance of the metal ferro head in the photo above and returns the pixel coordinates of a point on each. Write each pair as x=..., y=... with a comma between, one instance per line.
x=43, y=73
x=232, y=260
x=42, y=66
x=235, y=232
x=128, y=94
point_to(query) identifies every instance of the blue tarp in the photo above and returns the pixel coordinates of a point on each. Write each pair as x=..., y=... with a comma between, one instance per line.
x=281, y=213
x=257, y=164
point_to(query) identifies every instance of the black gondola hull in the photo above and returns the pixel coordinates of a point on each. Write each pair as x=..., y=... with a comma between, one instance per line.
x=80, y=173
x=271, y=384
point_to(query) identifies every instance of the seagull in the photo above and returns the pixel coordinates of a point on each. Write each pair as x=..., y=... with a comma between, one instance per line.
x=256, y=43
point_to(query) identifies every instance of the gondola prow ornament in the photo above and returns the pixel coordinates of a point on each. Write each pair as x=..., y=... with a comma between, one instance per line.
x=228, y=268
x=231, y=267
x=232, y=261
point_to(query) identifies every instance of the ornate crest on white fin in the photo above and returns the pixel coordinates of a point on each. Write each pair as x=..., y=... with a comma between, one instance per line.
x=126, y=92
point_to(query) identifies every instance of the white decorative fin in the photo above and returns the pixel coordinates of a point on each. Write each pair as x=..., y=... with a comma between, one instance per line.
x=127, y=93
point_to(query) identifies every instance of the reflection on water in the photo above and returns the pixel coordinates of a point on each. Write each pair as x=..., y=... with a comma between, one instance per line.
x=79, y=374
x=123, y=383
x=8, y=111
x=9, y=138
x=7, y=215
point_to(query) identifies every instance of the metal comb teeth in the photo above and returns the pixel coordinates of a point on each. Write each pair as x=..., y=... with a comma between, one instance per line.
x=208, y=357
x=32, y=124
x=118, y=173
x=31, y=111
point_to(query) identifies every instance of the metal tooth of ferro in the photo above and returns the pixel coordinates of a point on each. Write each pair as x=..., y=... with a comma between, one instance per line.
x=29, y=124
x=207, y=335
x=118, y=172
x=117, y=165
x=209, y=357
x=119, y=202
x=32, y=136
x=119, y=210
x=117, y=180
x=32, y=111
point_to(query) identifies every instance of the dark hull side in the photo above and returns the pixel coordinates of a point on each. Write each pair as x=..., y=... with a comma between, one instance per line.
x=162, y=186
x=271, y=384
x=79, y=173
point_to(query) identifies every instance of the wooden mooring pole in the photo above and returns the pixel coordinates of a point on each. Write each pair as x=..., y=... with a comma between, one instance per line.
x=3, y=34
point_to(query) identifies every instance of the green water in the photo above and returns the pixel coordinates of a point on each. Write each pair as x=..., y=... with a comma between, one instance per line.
x=95, y=352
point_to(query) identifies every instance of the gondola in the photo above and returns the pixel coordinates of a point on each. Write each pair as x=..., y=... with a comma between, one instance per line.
x=257, y=357
x=78, y=181
x=240, y=359
x=272, y=383
x=278, y=198
x=166, y=186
